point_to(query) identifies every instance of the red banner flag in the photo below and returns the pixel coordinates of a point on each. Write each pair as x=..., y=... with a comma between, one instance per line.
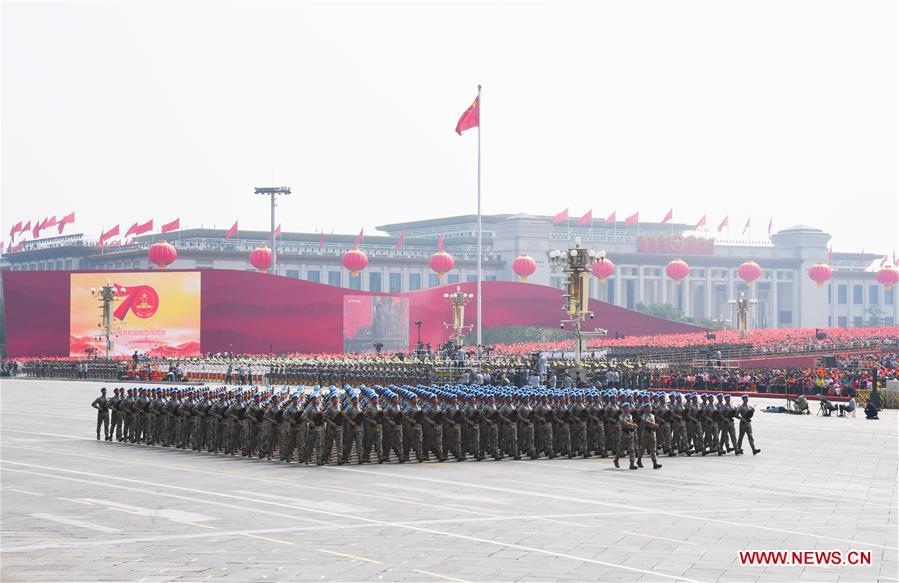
x=471, y=118
x=139, y=229
x=701, y=223
x=113, y=232
x=611, y=218
x=722, y=224
x=746, y=227
x=770, y=226
x=51, y=222
x=173, y=226
x=25, y=228
x=400, y=241
x=321, y=240
x=440, y=242
x=36, y=230
x=15, y=230
x=633, y=219
x=669, y=216
x=358, y=240
x=66, y=220
x=587, y=218
x=232, y=231
x=562, y=216
x=277, y=233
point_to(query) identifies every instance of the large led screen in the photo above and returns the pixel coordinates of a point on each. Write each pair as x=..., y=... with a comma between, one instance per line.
x=371, y=320
x=156, y=313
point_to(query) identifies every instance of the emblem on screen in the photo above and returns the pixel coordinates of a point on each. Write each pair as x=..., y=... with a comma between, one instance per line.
x=140, y=300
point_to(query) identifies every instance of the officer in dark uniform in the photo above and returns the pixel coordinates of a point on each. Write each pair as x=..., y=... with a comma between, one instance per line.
x=101, y=404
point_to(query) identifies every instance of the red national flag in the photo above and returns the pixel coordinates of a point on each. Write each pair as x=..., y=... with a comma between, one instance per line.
x=321, y=240
x=562, y=216
x=722, y=224
x=26, y=227
x=400, y=241
x=746, y=226
x=770, y=226
x=669, y=216
x=36, y=230
x=471, y=117
x=587, y=218
x=104, y=237
x=884, y=260
x=633, y=219
x=277, y=232
x=358, y=240
x=701, y=223
x=232, y=231
x=61, y=225
x=145, y=228
x=131, y=230
x=440, y=242
x=173, y=226
x=51, y=222
x=14, y=231
x=611, y=218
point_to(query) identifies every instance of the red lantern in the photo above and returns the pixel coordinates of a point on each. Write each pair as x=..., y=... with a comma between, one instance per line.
x=820, y=273
x=888, y=277
x=355, y=260
x=162, y=253
x=749, y=271
x=441, y=262
x=524, y=266
x=603, y=268
x=261, y=258
x=677, y=270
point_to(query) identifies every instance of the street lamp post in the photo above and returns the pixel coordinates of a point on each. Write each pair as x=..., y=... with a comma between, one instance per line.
x=741, y=307
x=577, y=263
x=107, y=294
x=273, y=191
x=458, y=299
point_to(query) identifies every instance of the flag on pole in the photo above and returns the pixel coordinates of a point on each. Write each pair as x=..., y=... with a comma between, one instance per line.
x=770, y=226
x=104, y=237
x=668, y=216
x=358, y=240
x=25, y=228
x=400, y=241
x=68, y=219
x=562, y=216
x=139, y=228
x=232, y=231
x=15, y=231
x=611, y=218
x=51, y=222
x=883, y=261
x=701, y=223
x=173, y=226
x=321, y=240
x=471, y=117
x=587, y=218
x=277, y=232
x=440, y=242
x=746, y=226
x=36, y=230
x=722, y=224
x=633, y=219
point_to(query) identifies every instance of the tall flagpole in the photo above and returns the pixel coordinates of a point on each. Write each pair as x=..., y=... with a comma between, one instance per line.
x=480, y=275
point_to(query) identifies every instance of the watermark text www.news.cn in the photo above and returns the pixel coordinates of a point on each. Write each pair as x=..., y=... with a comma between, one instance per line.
x=809, y=557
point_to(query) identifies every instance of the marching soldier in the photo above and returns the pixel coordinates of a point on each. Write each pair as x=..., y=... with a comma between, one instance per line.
x=315, y=421
x=507, y=418
x=726, y=413
x=648, y=437
x=333, y=428
x=393, y=428
x=432, y=429
x=374, y=433
x=272, y=426
x=626, y=435
x=412, y=431
x=353, y=429
x=101, y=404
x=745, y=413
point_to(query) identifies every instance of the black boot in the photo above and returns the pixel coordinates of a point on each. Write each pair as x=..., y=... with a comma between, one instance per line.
x=615, y=461
x=755, y=451
x=656, y=466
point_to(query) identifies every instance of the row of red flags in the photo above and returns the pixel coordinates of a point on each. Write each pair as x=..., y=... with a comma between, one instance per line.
x=21, y=228
x=136, y=230
x=635, y=218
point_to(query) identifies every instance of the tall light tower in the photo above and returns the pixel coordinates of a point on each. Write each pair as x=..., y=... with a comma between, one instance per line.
x=577, y=263
x=458, y=299
x=273, y=191
x=107, y=294
x=741, y=307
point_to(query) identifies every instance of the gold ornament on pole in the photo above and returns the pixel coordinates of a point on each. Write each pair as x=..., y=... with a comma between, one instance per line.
x=458, y=300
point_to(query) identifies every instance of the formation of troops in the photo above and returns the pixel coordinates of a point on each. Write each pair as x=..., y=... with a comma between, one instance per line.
x=376, y=424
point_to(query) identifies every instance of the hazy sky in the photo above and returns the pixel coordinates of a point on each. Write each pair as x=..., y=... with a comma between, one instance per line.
x=124, y=112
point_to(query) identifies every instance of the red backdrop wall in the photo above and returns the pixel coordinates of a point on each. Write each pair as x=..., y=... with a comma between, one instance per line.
x=250, y=312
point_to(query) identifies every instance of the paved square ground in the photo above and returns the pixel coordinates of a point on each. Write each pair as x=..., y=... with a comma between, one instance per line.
x=75, y=509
